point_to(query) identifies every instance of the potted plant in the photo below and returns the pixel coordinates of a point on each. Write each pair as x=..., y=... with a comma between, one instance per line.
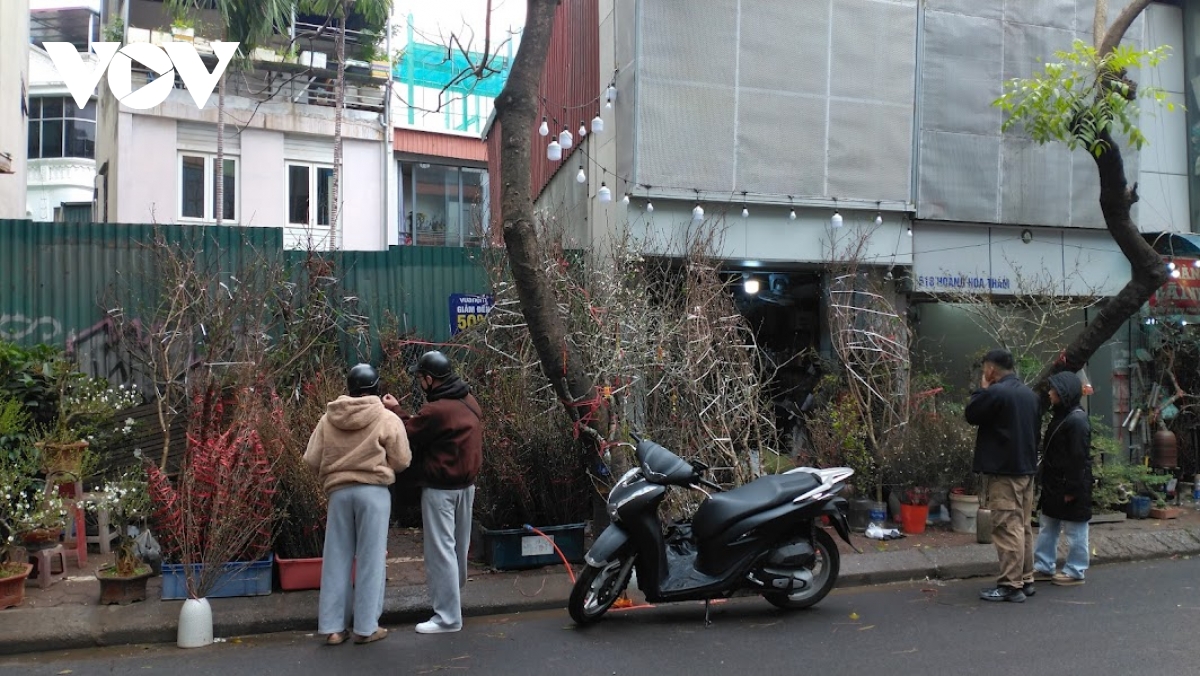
x=84, y=412
x=30, y=519
x=214, y=521
x=126, y=501
x=914, y=510
x=183, y=29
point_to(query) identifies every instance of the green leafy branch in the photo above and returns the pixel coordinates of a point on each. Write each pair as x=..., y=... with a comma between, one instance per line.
x=1083, y=98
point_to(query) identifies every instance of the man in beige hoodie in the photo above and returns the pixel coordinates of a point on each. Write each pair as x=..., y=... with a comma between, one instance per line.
x=357, y=449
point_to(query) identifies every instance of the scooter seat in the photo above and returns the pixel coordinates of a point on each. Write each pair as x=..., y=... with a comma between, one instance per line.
x=722, y=510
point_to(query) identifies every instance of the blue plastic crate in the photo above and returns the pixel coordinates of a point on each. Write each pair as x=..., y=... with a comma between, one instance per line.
x=239, y=579
x=516, y=548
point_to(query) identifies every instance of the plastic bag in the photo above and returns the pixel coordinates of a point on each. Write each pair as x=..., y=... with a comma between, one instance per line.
x=147, y=549
x=875, y=532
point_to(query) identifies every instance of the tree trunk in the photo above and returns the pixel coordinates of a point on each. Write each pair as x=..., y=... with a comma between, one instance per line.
x=339, y=105
x=516, y=112
x=219, y=188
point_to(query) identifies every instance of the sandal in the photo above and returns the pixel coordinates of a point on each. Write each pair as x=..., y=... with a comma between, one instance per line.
x=336, y=638
x=380, y=633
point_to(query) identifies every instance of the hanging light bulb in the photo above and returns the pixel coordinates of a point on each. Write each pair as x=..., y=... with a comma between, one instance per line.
x=581, y=177
x=650, y=207
x=792, y=215
x=604, y=193
x=751, y=286
x=836, y=219
x=1170, y=264
x=582, y=131
x=610, y=94
x=889, y=276
x=910, y=231
x=625, y=199
x=1196, y=263
x=544, y=128
x=1176, y=274
x=565, y=140
x=879, y=219
x=745, y=212
x=698, y=213
x=597, y=124
x=553, y=151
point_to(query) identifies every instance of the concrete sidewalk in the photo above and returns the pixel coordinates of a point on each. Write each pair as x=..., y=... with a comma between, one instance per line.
x=66, y=616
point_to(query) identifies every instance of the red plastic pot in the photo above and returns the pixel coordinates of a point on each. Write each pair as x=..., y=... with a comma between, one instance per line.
x=913, y=517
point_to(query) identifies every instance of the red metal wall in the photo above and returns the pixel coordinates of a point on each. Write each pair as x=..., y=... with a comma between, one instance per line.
x=570, y=93
x=434, y=144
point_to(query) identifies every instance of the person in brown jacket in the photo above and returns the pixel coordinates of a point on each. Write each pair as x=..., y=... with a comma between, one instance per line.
x=447, y=438
x=357, y=448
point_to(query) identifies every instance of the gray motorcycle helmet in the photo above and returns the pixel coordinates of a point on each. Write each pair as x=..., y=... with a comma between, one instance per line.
x=362, y=381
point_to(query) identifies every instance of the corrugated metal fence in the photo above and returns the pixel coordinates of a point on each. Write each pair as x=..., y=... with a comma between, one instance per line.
x=56, y=279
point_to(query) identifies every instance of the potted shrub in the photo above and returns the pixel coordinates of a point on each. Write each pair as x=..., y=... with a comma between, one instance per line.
x=30, y=518
x=214, y=521
x=126, y=500
x=914, y=510
x=532, y=475
x=84, y=411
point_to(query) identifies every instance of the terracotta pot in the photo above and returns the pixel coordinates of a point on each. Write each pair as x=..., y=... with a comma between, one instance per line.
x=12, y=588
x=39, y=538
x=122, y=590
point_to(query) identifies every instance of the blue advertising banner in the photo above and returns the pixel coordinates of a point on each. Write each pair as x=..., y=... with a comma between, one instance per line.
x=467, y=310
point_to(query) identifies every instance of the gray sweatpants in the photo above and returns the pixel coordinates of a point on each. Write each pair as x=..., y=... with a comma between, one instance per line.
x=356, y=532
x=446, y=516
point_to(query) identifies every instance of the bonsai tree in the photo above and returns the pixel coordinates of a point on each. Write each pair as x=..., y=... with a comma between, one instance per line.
x=126, y=501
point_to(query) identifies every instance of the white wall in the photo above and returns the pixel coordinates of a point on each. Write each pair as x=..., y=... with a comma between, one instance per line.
x=14, y=78
x=263, y=179
x=148, y=186
x=363, y=221
x=1163, y=175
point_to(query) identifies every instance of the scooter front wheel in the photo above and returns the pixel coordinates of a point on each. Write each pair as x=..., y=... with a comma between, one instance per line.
x=597, y=588
x=824, y=576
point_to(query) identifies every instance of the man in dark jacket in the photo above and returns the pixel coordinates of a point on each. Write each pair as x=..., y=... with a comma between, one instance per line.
x=1006, y=413
x=1066, y=477
x=447, y=443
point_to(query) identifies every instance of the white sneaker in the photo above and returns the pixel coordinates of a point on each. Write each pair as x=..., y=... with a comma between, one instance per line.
x=435, y=627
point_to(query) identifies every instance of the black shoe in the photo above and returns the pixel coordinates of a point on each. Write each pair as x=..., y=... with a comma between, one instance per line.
x=1028, y=589
x=1010, y=594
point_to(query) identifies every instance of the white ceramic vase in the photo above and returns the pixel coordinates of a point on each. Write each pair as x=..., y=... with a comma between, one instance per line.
x=195, y=624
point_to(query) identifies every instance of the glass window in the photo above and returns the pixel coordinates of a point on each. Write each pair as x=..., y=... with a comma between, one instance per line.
x=57, y=128
x=229, y=190
x=198, y=188
x=298, y=195
x=324, y=195
x=444, y=206
x=191, y=181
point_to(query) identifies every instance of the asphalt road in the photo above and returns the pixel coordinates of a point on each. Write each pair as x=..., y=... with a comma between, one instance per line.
x=1128, y=619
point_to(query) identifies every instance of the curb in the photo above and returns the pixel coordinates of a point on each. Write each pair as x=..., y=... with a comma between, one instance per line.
x=28, y=630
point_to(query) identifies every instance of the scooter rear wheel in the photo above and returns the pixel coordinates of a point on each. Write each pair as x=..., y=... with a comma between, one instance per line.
x=824, y=571
x=597, y=588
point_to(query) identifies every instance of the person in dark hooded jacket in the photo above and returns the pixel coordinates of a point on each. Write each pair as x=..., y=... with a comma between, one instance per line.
x=1066, y=478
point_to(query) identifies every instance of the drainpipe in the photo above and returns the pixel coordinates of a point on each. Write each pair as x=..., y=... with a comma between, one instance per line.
x=409, y=75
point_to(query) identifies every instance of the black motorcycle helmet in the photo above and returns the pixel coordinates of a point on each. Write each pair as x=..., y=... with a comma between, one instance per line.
x=362, y=381
x=433, y=363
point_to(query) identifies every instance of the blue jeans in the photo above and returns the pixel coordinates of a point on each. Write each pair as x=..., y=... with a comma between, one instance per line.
x=1045, y=555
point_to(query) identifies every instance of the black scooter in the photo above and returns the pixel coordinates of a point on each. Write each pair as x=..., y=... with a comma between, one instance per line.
x=761, y=538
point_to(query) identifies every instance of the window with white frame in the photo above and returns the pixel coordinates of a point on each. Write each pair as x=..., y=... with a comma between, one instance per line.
x=309, y=194
x=198, y=187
